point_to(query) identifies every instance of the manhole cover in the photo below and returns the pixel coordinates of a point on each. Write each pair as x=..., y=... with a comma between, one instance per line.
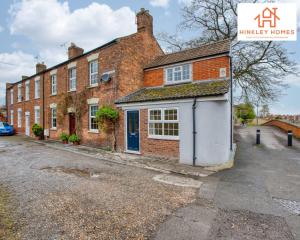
x=292, y=206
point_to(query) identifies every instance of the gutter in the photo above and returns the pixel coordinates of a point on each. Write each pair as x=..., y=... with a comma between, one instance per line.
x=194, y=132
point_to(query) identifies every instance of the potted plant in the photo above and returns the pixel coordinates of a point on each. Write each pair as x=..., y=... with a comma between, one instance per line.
x=37, y=131
x=64, y=137
x=74, y=139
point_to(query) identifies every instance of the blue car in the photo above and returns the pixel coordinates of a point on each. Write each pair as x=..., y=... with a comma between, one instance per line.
x=6, y=129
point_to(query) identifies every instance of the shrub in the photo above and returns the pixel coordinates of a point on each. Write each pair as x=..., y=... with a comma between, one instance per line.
x=74, y=138
x=37, y=130
x=64, y=137
x=107, y=113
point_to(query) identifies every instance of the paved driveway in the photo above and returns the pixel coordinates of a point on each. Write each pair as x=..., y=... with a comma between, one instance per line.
x=56, y=194
x=257, y=199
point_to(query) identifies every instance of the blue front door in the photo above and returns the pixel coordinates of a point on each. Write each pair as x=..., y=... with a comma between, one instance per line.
x=133, y=135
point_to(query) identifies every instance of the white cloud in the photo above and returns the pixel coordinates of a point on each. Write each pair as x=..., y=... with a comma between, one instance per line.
x=1, y=28
x=51, y=23
x=293, y=80
x=12, y=67
x=159, y=3
x=185, y=2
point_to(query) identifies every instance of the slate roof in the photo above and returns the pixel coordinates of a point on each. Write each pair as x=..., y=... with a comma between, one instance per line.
x=211, y=49
x=188, y=90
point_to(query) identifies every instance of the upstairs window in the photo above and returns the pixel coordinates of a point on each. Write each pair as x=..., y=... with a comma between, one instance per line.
x=93, y=68
x=53, y=84
x=72, y=79
x=20, y=92
x=11, y=96
x=163, y=123
x=27, y=90
x=178, y=74
x=37, y=88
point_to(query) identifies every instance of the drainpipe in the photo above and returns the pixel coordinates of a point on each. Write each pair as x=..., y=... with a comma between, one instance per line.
x=231, y=105
x=43, y=76
x=194, y=132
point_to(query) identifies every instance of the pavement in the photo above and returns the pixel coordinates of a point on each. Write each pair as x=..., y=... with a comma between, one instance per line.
x=259, y=198
x=56, y=194
x=64, y=194
x=162, y=165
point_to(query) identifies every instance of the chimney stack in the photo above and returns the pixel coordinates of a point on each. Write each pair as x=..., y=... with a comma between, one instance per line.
x=74, y=51
x=40, y=67
x=144, y=21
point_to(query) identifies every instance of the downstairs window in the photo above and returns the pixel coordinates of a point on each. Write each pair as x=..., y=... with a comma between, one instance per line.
x=163, y=123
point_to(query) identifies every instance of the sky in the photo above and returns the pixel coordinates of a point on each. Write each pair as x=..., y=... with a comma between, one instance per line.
x=33, y=31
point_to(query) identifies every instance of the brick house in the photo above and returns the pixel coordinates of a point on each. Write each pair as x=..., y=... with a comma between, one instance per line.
x=154, y=92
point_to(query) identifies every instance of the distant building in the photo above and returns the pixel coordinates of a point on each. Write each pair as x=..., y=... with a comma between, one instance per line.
x=3, y=113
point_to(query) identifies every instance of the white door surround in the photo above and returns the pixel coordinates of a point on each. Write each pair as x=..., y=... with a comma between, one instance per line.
x=27, y=123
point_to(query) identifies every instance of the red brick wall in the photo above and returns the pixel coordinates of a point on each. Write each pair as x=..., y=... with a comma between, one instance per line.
x=285, y=127
x=154, y=77
x=127, y=58
x=208, y=69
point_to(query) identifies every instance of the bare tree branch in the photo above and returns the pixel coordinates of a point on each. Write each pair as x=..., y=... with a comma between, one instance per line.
x=258, y=67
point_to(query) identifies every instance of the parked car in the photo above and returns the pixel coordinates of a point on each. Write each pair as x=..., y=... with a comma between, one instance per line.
x=6, y=129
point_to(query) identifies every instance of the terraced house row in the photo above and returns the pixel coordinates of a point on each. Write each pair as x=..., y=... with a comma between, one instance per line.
x=170, y=105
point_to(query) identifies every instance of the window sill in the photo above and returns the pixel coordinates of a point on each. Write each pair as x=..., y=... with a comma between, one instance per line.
x=72, y=90
x=93, y=131
x=53, y=95
x=164, y=138
x=93, y=85
x=53, y=129
x=177, y=83
x=37, y=98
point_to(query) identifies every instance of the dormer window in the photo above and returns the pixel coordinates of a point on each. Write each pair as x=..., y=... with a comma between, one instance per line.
x=178, y=74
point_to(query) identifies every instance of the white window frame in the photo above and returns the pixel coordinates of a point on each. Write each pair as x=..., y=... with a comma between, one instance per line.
x=173, y=81
x=90, y=118
x=53, y=84
x=37, y=88
x=11, y=96
x=52, y=118
x=20, y=92
x=11, y=117
x=166, y=137
x=27, y=90
x=19, y=117
x=37, y=117
x=91, y=74
x=72, y=79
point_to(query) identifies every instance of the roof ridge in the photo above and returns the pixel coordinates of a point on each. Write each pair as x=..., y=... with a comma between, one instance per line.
x=192, y=48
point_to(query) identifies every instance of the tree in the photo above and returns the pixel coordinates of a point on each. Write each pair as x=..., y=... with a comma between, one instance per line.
x=245, y=112
x=264, y=111
x=258, y=67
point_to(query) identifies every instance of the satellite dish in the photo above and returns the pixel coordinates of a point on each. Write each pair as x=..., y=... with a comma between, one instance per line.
x=105, y=77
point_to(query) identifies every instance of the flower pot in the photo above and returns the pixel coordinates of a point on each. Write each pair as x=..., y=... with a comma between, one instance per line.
x=38, y=137
x=75, y=143
x=65, y=141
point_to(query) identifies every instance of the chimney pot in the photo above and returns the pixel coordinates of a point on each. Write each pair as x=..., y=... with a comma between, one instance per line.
x=40, y=67
x=74, y=51
x=144, y=21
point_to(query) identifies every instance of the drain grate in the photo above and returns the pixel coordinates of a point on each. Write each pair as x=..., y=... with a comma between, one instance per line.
x=292, y=206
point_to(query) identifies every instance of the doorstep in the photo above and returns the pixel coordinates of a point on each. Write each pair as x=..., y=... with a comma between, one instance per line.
x=161, y=165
